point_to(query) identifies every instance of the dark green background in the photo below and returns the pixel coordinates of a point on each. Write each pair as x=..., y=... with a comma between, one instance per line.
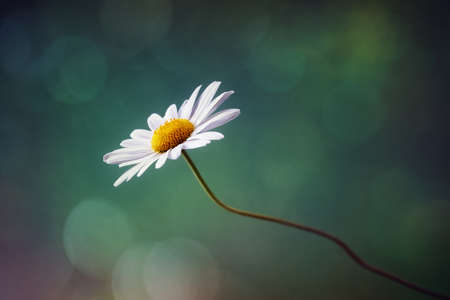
x=344, y=126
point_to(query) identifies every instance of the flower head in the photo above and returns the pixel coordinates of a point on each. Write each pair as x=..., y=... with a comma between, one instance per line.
x=186, y=128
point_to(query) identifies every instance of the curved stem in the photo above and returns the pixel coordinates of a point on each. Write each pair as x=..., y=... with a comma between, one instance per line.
x=313, y=230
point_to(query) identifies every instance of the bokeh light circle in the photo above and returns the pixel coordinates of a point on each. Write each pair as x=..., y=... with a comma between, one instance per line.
x=180, y=269
x=77, y=69
x=95, y=234
x=127, y=276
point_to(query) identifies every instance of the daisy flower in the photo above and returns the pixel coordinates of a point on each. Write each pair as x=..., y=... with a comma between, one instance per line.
x=187, y=128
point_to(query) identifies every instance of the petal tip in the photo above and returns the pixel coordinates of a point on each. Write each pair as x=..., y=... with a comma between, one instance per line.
x=106, y=156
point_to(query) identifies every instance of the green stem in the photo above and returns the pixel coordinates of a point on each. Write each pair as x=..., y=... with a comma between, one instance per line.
x=313, y=230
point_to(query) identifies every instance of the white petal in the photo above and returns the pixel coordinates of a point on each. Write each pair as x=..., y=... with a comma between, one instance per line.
x=141, y=134
x=133, y=162
x=218, y=119
x=195, y=144
x=133, y=143
x=214, y=105
x=132, y=150
x=124, y=153
x=180, y=110
x=204, y=100
x=171, y=112
x=187, y=109
x=154, y=121
x=120, y=180
x=147, y=164
x=162, y=160
x=121, y=158
x=175, y=152
x=209, y=135
x=128, y=174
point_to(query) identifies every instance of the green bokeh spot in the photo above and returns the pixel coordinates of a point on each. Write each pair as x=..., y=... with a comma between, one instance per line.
x=95, y=235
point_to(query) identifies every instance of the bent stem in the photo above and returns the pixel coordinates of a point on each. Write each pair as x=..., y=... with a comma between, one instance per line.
x=313, y=230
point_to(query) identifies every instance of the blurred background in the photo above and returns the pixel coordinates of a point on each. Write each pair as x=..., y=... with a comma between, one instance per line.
x=344, y=126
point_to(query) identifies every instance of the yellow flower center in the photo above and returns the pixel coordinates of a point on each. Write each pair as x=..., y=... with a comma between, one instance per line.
x=171, y=134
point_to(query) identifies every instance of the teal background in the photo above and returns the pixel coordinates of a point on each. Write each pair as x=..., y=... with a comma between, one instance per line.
x=343, y=126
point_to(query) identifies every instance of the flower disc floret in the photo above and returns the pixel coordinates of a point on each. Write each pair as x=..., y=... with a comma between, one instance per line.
x=171, y=134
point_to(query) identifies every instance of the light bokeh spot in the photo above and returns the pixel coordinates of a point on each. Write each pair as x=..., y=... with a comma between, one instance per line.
x=127, y=276
x=180, y=269
x=95, y=234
